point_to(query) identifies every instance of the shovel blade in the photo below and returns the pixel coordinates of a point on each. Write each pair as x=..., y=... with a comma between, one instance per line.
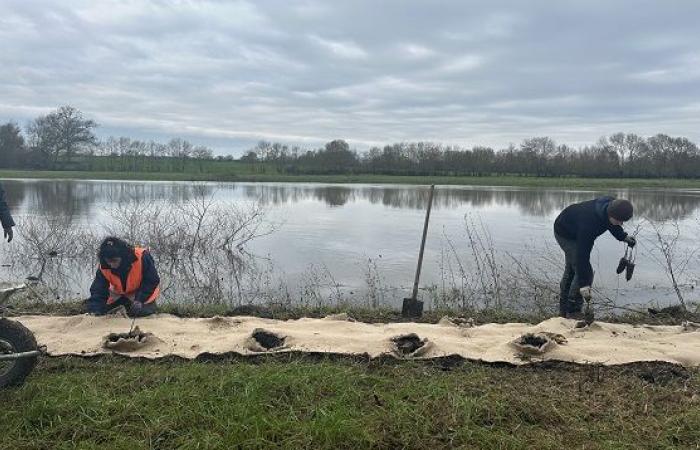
x=411, y=308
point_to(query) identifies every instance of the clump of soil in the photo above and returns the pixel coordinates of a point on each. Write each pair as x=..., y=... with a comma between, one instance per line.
x=462, y=322
x=408, y=344
x=131, y=341
x=533, y=340
x=267, y=339
x=538, y=343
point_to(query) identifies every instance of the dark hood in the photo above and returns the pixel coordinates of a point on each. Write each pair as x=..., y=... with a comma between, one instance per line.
x=113, y=247
x=601, y=207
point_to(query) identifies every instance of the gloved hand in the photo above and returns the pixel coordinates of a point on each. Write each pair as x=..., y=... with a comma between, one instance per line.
x=136, y=306
x=631, y=241
x=586, y=292
x=7, y=232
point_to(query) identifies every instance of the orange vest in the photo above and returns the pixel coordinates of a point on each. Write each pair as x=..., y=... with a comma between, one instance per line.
x=133, y=280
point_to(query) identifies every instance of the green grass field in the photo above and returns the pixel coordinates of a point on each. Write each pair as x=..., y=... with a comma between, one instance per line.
x=294, y=402
x=241, y=173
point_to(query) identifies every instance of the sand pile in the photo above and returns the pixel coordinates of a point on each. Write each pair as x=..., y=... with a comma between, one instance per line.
x=517, y=343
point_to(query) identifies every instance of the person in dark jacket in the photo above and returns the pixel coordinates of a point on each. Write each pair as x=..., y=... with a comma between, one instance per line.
x=126, y=276
x=5, y=217
x=576, y=229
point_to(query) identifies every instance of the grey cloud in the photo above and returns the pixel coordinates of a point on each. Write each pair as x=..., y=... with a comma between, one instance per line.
x=465, y=72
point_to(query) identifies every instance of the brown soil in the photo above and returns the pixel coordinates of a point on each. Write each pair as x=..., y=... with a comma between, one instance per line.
x=408, y=343
x=267, y=339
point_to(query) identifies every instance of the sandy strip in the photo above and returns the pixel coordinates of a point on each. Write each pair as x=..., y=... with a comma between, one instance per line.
x=603, y=343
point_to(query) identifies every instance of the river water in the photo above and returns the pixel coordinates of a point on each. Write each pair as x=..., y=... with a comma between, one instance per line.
x=339, y=228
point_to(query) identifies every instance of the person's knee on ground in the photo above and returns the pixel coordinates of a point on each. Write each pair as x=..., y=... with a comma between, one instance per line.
x=96, y=308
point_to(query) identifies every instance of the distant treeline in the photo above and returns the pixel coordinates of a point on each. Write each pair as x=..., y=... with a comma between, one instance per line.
x=620, y=155
x=65, y=140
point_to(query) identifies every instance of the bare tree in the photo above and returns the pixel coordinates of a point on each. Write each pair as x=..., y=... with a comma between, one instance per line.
x=62, y=133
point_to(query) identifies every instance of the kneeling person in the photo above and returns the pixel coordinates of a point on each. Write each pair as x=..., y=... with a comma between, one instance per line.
x=126, y=276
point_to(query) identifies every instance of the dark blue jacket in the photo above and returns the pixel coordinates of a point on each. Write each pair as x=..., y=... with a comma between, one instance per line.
x=584, y=222
x=99, y=290
x=5, y=216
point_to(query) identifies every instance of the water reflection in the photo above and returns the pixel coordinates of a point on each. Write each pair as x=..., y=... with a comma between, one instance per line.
x=79, y=198
x=654, y=204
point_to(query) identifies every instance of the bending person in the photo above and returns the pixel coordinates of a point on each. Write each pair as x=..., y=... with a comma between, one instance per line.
x=576, y=229
x=126, y=276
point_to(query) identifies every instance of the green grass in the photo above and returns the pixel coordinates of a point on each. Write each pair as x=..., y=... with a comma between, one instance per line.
x=243, y=174
x=295, y=402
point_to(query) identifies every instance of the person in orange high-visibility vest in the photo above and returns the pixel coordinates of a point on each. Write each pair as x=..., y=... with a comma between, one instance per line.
x=126, y=276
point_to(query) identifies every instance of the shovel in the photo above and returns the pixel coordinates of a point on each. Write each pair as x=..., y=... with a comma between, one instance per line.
x=411, y=306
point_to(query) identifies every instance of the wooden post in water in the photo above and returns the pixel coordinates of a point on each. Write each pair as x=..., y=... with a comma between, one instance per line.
x=411, y=306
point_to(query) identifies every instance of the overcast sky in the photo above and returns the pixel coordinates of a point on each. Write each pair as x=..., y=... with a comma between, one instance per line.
x=229, y=73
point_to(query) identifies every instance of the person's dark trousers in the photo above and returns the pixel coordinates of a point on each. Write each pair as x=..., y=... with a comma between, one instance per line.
x=570, y=299
x=99, y=308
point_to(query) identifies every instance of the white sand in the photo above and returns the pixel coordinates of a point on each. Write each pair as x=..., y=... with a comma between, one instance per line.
x=600, y=343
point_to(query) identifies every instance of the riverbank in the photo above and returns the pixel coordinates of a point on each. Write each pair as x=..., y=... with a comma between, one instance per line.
x=517, y=181
x=293, y=401
x=359, y=313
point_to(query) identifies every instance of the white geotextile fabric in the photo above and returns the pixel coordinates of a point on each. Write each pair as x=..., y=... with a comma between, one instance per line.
x=603, y=343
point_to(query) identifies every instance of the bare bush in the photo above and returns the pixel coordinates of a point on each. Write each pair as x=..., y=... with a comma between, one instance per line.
x=488, y=268
x=456, y=285
x=201, y=247
x=50, y=249
x=670, y=256
x=319, y=287
x=475, y=275
x=375, y=284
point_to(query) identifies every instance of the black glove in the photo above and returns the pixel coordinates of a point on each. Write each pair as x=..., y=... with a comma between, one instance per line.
x=8, y=234
x=631, y=241
x=136, y=307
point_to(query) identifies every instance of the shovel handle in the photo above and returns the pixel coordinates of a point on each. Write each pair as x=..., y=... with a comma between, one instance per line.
x=422, y=243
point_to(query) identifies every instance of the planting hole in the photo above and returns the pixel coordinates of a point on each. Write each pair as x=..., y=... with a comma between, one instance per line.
x=131, y=341
x=267, y=339
x=408, y=344
x=538, y=343
x=534, y=341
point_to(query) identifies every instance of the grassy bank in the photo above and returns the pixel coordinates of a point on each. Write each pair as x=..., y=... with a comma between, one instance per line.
x=245, y=176
x=296, y=402
x=359, y=313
